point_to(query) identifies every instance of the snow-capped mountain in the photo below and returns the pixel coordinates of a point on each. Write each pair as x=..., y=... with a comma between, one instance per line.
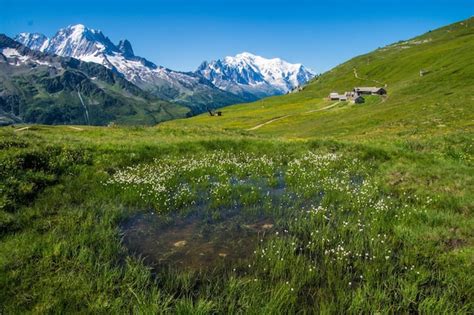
x=92, y=45
x=33, y=41
x=37, y=87
x=245, y=77
x=250, y=74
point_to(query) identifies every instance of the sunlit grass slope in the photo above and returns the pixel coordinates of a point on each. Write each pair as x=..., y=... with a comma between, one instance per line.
x=438, y=102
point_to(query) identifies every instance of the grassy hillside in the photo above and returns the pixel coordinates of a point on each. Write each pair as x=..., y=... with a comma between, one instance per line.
x=318, y=208
x=439, y=102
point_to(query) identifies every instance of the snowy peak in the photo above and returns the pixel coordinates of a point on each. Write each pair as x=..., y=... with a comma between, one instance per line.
x=249, y=58
x=16, y=54
x=34, y=41
x=81, y=42
x=249, y=73
x=273, y=70
x=91, y=45
x=244, y=77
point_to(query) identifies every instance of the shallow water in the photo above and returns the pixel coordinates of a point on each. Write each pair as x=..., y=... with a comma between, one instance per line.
x=199, y=237
x=196, y=241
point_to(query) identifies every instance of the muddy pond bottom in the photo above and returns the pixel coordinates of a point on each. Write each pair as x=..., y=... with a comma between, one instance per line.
x=197, y=241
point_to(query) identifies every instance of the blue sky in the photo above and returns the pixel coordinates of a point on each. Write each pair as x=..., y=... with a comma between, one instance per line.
x=180, y=34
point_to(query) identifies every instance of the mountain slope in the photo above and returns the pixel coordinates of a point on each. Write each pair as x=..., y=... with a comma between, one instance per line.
x=37, y=87
x=91, y=45
x=437, y=101
x=245, y=77
x=248, y=74
x=34, y=41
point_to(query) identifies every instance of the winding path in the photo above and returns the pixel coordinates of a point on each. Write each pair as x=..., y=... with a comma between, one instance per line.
x=268, y=122
x=21, y=129
x=320, y=109
x=286, y=116
x=356, y=75
x=76, y=128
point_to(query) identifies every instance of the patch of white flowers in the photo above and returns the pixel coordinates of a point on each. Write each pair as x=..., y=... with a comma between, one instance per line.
x=336, y=216
x=169, y=182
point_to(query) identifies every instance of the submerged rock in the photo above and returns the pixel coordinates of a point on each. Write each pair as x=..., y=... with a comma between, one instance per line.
x=180, y=244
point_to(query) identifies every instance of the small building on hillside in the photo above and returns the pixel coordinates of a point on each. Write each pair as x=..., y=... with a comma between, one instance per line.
x=337, y=97
x=334, y=96
x=371, y=90
x=355, y=96
x=358, y=100
x=351, y=95
x=212, y=113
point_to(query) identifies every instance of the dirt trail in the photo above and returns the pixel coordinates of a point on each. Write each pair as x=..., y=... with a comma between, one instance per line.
x=21, y=129
x=269, y=122
x=320, y=109
x=356, y=75
x=76, y=128
x=286, y=116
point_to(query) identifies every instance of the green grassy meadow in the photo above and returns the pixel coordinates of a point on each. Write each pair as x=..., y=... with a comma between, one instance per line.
x=365, y=208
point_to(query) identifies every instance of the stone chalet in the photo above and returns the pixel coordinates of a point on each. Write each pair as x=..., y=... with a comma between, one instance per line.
x=370, y=90
x=355, y=96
